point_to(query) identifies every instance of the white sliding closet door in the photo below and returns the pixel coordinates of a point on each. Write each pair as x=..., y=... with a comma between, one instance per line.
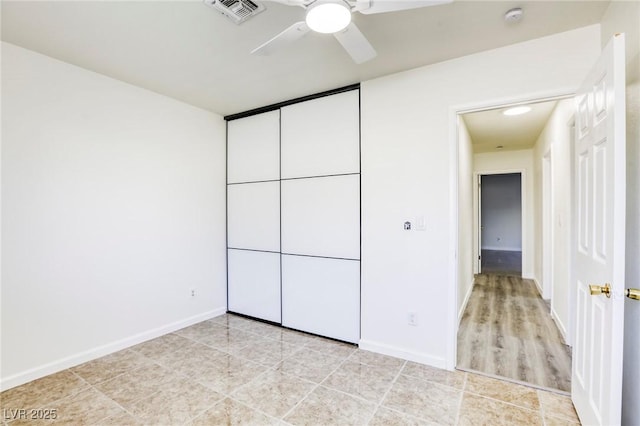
x=254, y=283
x=322, y=136
x=253, y=216
x=293, y=215
x=322, y=296
x=321, y=216
x=253, y=148
x=320, y=159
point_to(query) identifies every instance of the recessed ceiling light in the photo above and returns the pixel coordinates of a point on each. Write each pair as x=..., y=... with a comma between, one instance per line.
x=328, y=16
x=517, y=110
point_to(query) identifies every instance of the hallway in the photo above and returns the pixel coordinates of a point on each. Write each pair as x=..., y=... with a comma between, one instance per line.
x=507, y=331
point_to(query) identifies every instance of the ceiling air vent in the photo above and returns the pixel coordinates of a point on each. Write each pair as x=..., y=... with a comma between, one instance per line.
x=236, y=10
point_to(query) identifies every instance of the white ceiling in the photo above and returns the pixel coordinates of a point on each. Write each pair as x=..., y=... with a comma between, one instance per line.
x=491, y=128
x=188, y=51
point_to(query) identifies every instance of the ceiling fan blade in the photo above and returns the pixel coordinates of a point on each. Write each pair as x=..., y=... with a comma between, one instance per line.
x=356, y=44
x=381, y=6
x=288, y=36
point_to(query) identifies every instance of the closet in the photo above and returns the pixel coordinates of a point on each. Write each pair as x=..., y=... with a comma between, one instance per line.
x=293, y=214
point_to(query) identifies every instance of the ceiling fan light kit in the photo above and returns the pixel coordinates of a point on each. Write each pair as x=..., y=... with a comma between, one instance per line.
x=328, y=17
x=334, y=17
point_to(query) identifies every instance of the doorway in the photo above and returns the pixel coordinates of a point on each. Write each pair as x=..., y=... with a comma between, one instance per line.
x=500, y=230
x=506, y=327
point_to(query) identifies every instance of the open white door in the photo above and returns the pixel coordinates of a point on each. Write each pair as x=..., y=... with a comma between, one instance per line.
x=599, y=216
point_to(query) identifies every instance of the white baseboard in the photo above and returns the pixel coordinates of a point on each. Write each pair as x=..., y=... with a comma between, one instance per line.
x=100, y=351
x=466, y=300
x=397, y=352
x=538, y=286
x=561, y=327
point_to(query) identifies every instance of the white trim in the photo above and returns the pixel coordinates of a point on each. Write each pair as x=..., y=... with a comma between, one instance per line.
x=507, y=102
x=573, y=296
x=523, y=211
x=100, y=351
x=451, y=298
x=547, y=209
x=401, y=353
x=501, y=248
x=481, y=172
x=559, y=324
x=454, y=187
x=476, y=208
x=465, y=302
x=536, y=282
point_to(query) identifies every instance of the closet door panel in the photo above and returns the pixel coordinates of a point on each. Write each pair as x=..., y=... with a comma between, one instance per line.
x=254, y=284
x=322, y=296
x=321, y=216
x=253, y=216
x=253, y=148
x=322, y=136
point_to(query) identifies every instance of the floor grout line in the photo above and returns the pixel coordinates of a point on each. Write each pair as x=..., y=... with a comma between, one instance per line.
x=393, y=382
x=462, y=391
x=315, y=387
x=502, y=401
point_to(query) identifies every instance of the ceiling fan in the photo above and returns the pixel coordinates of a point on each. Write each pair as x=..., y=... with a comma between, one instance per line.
x=334, y=17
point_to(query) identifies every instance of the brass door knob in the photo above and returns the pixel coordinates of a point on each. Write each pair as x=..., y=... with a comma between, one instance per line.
x=633, y=293
x=595, y=289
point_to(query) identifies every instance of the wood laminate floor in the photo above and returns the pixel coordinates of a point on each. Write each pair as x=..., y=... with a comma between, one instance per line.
x=507, y=331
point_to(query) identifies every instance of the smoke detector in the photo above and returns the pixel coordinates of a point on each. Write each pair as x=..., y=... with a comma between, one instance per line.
x=237, y=11
x=513, y=15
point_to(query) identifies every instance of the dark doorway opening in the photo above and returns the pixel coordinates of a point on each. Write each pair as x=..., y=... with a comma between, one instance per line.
x=501, y=224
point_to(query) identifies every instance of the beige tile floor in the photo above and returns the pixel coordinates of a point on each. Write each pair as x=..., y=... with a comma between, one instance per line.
x=235, y=371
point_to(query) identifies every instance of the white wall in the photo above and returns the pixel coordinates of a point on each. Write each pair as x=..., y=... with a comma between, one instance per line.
x=113, y=209
x=556, y=138
x=466, y=238
x=409, y=168
x=624, y=17
x=508, y=162
x=501, y=212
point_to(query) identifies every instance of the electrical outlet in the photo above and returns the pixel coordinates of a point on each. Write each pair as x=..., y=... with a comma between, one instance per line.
x=193, y=292
x=413, y=319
